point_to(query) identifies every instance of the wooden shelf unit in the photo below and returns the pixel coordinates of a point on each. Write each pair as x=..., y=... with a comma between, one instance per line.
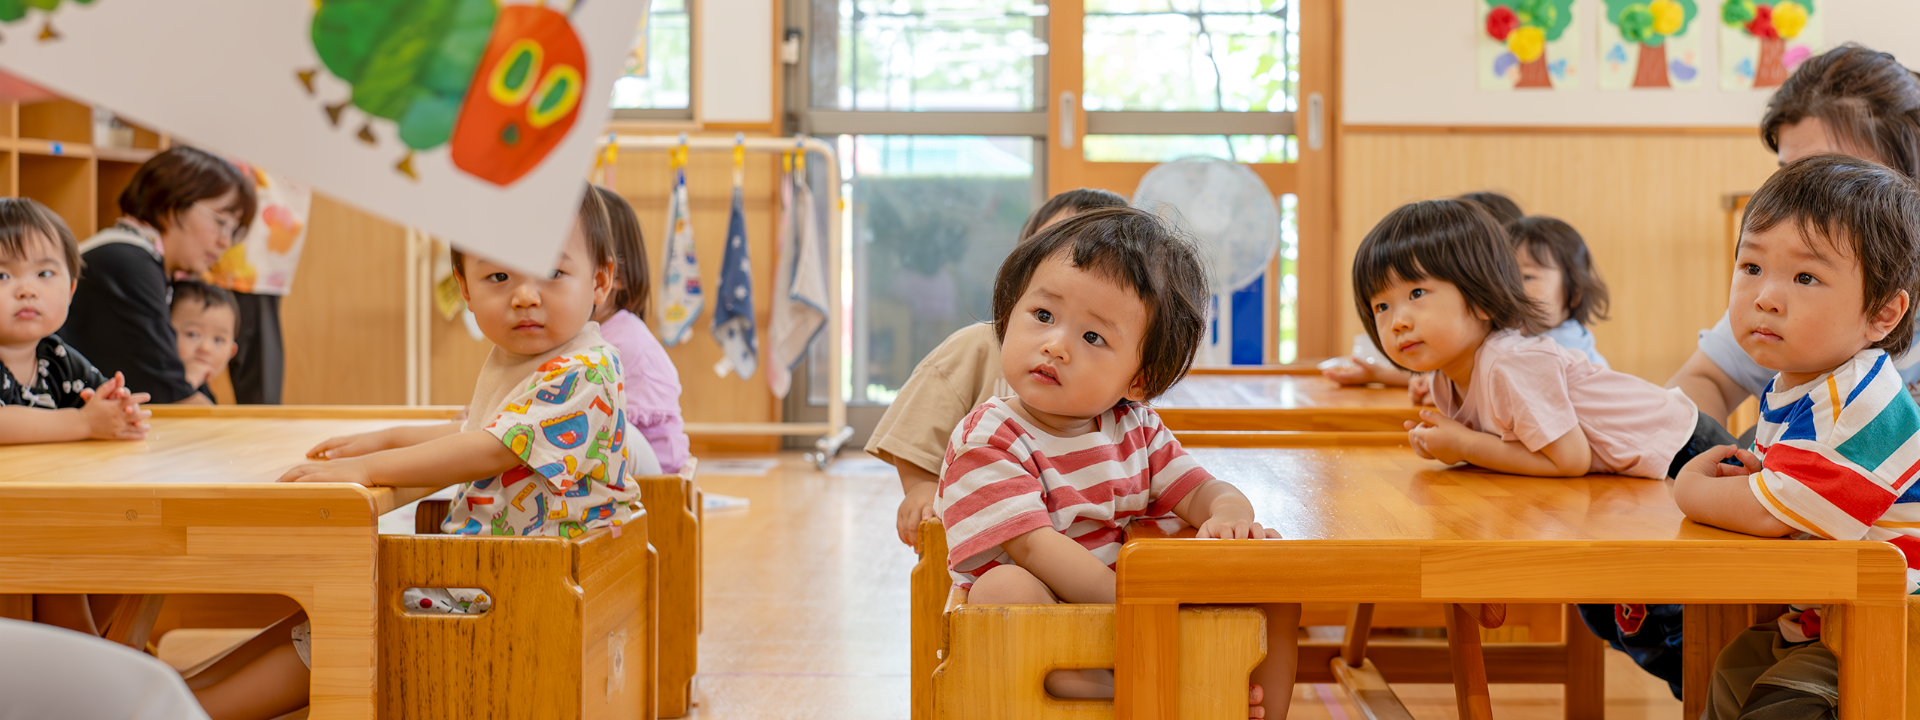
x=47, y=153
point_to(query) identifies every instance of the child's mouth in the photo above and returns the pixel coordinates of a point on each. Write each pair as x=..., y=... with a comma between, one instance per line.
x=529, y=325
x=1409, y=345
x=27, y=314
x=1044, y=375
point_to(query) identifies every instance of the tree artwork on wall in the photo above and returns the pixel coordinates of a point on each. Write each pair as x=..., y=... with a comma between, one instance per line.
x=1761, y=42
x=1649, y=44
x=1527, y=44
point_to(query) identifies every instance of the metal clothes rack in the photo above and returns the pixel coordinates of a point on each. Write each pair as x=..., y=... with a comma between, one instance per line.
x=834, y=432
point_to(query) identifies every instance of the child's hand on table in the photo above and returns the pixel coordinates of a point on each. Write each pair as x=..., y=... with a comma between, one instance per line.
x=1438, y=437
x=347, y=446
x=350, y=470
x=113, y=412
x=1712, y=463
x=1229, y=528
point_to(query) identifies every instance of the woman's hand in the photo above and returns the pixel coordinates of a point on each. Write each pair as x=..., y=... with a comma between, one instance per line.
x=346, y=446
x=113, y=412
x=350, y=470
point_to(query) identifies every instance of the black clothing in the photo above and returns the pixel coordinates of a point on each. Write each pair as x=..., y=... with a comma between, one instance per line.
x=61, y=374
x=122, y=316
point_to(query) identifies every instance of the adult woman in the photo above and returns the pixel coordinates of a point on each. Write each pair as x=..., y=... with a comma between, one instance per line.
x=1849, y=100
x=182, y=209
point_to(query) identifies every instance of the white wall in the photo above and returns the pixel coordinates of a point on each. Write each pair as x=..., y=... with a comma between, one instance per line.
x=736, y=61
x=1411, y=62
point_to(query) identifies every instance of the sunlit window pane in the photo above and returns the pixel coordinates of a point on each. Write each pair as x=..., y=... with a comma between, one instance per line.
x=666, y=81
x=930, y=54
x=1191, y=55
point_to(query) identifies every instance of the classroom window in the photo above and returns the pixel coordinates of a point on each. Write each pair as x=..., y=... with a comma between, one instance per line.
x=1162, y=148
x=1289, y=290
x=665, y=80
x=928, y=55
x=1191, y=55
x=932, y=218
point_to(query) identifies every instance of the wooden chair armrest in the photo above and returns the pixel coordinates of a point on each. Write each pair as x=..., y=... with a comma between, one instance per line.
x=428, y=515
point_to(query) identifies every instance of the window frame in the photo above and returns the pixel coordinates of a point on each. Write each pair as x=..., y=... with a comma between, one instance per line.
x=688, y=113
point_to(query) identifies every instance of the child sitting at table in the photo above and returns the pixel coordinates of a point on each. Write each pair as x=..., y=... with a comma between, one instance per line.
x=1559, y=276
x=48, y=390
x=1824, y=281
x=653, y=385
x=1095, y=316
x=1438, y=289
x=543, y=450
x=1362, y=368
x=205, y=322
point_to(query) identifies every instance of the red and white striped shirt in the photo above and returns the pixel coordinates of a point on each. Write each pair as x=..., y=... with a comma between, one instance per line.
x=1002, y=479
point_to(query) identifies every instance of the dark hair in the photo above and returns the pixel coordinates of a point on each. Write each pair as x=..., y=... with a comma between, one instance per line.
x=172, y=181
x=1503, y=209
x=1452, y=240
x=1859, y=207
x=1867, y=100
x=596, y=222
x=208, y=296
x=1071, y=200
x=1139, y=251
x=629, y=253
x=23, y=218
x=1550, y=241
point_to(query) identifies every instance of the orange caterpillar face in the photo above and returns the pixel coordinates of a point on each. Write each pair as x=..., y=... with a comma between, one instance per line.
x=524, y=97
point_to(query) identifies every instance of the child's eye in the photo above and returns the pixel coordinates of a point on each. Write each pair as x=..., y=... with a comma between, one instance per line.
x=1805, y=279
x=47, y=273
x=1379, y=308
x=1093, y=338
x=1524, y=277
x=5, y=276
x=556, y=275
x=498, y=277
x=1417, y=294
x=1045, y=316
x=1750, y=268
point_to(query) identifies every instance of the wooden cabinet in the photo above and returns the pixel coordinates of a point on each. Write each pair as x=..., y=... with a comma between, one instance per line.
x=47, y=153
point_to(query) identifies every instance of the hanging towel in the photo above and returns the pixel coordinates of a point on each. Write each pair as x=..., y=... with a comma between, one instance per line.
x=682, y=286
x=733, y=308
x=800, y=283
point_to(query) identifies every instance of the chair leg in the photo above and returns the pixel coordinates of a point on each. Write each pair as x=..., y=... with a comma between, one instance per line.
x=1359, y=625
x=1469, y=665
x=133, y=621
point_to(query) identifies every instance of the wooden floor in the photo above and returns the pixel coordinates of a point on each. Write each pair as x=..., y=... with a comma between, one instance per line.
x=806, y=609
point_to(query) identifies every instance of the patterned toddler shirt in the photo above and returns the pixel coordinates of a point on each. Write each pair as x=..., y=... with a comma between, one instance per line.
x=60, y=373
x=563, y=413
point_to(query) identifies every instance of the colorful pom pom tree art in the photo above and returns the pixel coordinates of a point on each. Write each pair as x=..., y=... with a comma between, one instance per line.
x=499, y=84
x=1650, y=29
x=1784, y=32
x=1518, y=38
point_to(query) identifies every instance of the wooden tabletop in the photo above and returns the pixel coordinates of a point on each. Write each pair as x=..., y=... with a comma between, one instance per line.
x=212, y=449
x=1278, y=391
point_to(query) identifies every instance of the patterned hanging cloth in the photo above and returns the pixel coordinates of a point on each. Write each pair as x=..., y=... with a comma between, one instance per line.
x=733, y=308
x=799, y=280
x=682, y=285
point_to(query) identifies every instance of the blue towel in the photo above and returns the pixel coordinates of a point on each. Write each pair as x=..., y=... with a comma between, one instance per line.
x=733, y=305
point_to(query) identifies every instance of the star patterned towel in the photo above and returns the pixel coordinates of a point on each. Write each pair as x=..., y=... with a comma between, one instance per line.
x=733, y=308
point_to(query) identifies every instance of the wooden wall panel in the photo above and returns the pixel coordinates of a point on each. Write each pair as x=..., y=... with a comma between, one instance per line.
x=344, y=327
x=1648, y=205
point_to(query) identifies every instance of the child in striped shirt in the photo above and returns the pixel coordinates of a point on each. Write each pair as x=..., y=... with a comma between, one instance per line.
x=1094, y=315
x=1823, y=285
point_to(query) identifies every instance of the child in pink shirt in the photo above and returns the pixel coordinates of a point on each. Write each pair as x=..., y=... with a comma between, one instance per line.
x=1438, y=289
x=653, y=385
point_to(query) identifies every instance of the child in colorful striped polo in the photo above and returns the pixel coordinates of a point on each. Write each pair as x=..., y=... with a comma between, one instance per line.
x=1824, y=280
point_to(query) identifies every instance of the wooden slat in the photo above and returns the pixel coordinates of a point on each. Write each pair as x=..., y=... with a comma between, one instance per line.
x=1369, y=690
x=675, y=534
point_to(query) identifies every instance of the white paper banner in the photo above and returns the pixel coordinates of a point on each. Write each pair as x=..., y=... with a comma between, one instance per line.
x=473, y=120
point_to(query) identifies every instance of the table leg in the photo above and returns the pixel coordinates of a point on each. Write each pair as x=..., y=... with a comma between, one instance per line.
x=345, y=651
x=1146, y=661
x=1586, y=684
x=1873, y=662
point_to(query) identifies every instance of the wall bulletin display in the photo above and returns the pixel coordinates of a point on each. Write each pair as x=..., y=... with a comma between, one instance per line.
x=1762, y=40
x=1650, y=45
x=470, y=119
x=1528, y=44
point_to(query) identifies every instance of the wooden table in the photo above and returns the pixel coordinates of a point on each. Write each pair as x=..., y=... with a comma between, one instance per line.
x=1380, y=525
x=195, y=509
x=1290, y=402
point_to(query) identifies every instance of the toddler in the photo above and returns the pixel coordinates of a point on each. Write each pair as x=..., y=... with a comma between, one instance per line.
x=957, y=376
x=1095, y=315
x=543, y=450
x=1438, y=289
x=653, y=385
x=206, y=319
x=1362, y=368
x=1559, y=276
x=1823, y=287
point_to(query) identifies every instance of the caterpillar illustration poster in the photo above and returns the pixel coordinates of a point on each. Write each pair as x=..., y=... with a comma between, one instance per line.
x=475, y=120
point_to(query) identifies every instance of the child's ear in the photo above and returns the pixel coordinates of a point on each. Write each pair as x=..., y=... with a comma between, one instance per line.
x=1137, y=390
x=602, y=283
x=460, y=277
x=1889, y=316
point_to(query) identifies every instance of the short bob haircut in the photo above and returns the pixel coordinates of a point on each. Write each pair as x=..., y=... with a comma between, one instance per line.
x=1862, y=209
x=1139, y=251
x=1504, y=210
x=1553, y=243
x=171, y=182
x=597, y=222
x=1075, y=200
x=1451, y=240
x=23, y=219
x=206, y=296
x=1868, y=101
x=629, y=253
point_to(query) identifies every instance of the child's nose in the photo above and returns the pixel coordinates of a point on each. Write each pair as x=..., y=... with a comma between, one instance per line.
x=526, y=296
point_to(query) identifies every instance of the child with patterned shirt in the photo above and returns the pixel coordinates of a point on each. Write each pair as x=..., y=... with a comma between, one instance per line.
x=1823, y=285
x=1094, y=315
x=543, y=450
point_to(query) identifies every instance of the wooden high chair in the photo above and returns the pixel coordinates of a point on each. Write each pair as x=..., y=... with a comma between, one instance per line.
x=674, y=512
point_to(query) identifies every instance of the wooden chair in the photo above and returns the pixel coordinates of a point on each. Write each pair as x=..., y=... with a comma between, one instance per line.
x=673, y=505
x=571, y=632
x=990, y=661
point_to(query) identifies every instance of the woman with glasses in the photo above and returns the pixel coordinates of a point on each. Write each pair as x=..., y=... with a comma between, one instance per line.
x=181, y=210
